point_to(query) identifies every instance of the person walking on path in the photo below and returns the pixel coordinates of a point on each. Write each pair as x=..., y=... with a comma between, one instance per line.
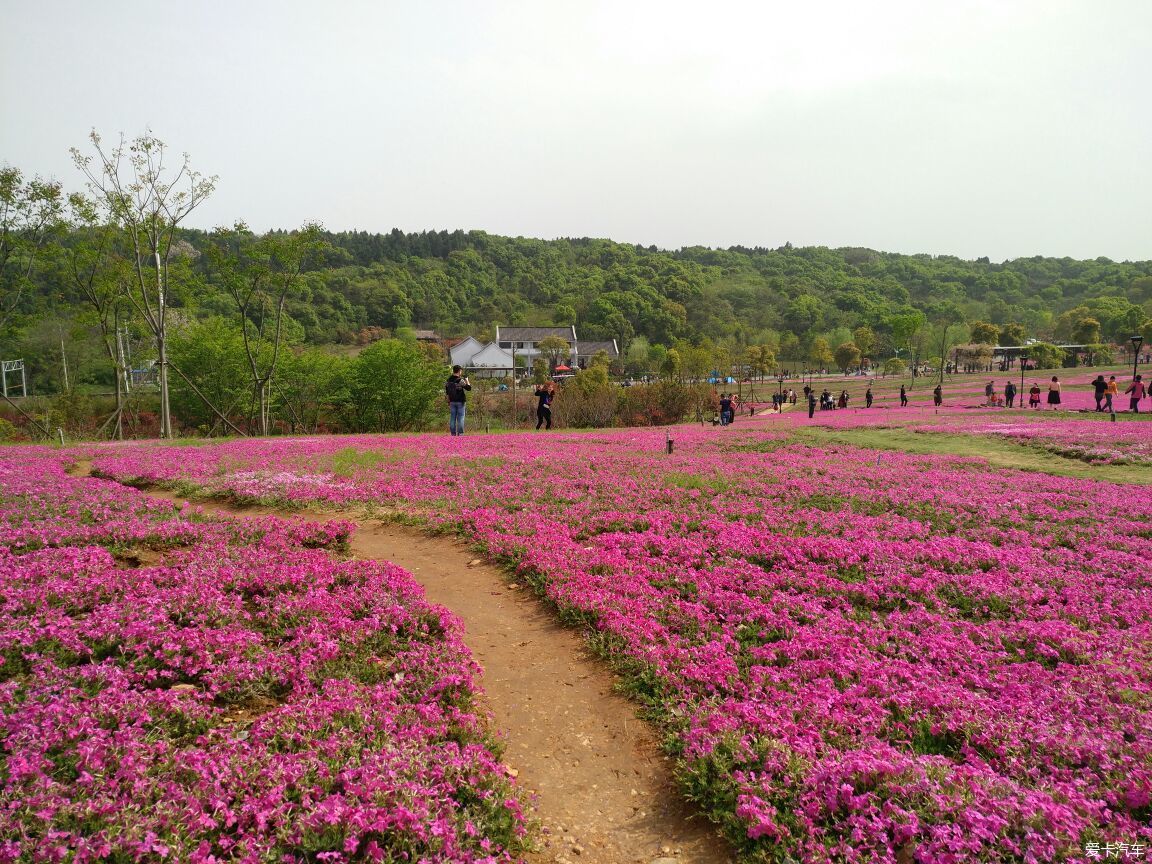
x=1099, y=386
x=903, y=396
x=545, y=393
x=1010, y=395
x=1054, y=393
x=1034, y=396
x=1111, y=391
x=456, y=389
x=938, y=395
x=1136, y=390
x=868, y=398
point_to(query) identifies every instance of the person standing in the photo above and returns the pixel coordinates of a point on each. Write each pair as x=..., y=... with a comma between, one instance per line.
x=868, y=398
x=1136, y=393
x=1110, y=391
x=903, y=396
x=725, y=408
x=989, y=389
x=545, y=393
x=456, y=389
x=1054, y=393
x=1010, y=395
x=1099, y=386
x=938, y=395
x=1034, y=396
x=811, y=402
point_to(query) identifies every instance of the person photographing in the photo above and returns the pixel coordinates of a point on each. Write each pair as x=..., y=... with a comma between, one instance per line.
x=545, y=393
x=456, y=389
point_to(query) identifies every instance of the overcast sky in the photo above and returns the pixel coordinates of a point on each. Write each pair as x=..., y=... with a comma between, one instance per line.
x=965, y=127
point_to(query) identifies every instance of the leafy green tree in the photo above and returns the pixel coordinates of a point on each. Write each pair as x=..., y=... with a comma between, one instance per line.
x=539, y=370
x=311, y=386
x=1086, y=331
x=671, y=365
x=638, y=359
x=1044, y=355
x=1012, y=334
x=32, y=214
x=821, y=353
x=865, y=339
x=554, y=350
x=211, y=354
x=847, y=356
x=393, y=388
x=895, y=366
x=760, y=360
x=985, y=333
x=259, y=273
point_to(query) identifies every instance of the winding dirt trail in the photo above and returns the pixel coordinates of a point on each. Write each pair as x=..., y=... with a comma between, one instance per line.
x=603, y=791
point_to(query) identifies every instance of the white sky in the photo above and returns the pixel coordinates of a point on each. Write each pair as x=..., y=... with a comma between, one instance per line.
x=968, y=127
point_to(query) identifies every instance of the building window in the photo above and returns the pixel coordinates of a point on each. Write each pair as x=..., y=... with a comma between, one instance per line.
x=505, y=344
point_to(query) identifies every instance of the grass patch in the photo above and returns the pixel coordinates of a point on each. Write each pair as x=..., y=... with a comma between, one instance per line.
x=351, y=460
x=997, y=453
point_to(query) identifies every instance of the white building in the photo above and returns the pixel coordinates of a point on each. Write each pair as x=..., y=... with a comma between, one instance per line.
x=483, y=360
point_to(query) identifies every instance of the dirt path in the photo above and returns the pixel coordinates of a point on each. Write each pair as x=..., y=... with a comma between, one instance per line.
x=604, y=793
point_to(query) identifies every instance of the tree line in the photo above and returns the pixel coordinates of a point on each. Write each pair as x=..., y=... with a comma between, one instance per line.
x=110, y=276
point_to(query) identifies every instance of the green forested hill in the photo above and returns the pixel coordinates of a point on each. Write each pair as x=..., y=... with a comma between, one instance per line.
x=801, y=303
x=459, y=282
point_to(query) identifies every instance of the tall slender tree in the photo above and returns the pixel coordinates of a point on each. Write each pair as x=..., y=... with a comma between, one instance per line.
x=259, y=274
x=147, y=199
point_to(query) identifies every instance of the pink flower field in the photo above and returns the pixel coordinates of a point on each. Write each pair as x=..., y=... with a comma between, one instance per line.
x=856, y=656
x=184, y=689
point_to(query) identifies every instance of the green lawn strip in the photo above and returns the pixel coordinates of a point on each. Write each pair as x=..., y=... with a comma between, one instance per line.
x=996, y=452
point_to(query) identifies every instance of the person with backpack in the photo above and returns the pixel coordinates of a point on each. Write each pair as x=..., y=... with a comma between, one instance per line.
x=456, y=389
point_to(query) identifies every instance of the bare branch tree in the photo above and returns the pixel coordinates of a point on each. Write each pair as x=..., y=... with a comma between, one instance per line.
x=135, y=192
x=259, y=275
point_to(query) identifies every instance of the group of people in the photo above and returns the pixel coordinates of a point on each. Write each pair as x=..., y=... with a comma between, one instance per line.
x=1104, y=391
x=456, y=389
x=729, y=404
x=457, y=386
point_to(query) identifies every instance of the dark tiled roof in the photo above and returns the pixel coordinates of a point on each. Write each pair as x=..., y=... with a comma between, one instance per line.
x=589, y=349
x=532, y=334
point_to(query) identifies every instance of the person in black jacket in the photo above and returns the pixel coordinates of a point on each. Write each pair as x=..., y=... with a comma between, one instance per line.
x=1099, y=386
x=1010, y=395
x=456, y=389
x=545, y=393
